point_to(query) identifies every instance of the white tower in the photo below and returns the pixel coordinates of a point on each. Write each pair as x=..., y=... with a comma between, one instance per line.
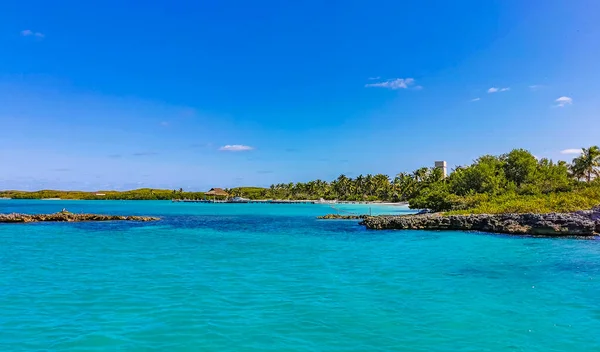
x=442, y=165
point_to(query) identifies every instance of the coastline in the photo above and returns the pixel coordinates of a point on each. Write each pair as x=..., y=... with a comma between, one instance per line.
x=576, y=224
x=271, y=201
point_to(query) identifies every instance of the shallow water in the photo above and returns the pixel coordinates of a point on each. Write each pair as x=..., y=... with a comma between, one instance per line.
x=224, y=277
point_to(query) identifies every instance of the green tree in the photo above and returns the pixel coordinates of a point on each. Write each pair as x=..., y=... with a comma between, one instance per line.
x=520, y=166
x=485, y=175
x=435, y=197
x=553, y=177
x=406, y=186
x=587, y=165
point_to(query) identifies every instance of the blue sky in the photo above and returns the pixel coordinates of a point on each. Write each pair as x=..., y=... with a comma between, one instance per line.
x=119, y=95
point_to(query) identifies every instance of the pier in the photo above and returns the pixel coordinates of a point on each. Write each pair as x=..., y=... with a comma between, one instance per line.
x=249, y=201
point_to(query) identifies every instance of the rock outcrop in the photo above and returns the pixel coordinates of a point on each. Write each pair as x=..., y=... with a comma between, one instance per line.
x=65, y=216
x=342, y=217
x=580, y=224
x=593, y=214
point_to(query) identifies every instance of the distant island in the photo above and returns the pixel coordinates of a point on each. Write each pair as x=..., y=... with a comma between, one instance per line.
x=515, y=182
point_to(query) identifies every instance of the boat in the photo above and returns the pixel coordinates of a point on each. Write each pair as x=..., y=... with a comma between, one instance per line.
x=323, y=201
x=239, y=200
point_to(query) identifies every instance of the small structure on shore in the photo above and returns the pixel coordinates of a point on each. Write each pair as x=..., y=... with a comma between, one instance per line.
x=219, y=192
x=443, y=166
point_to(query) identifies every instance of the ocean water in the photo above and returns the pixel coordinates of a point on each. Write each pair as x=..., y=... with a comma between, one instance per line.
x=273, y=278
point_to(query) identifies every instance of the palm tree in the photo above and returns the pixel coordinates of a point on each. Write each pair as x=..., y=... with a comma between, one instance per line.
x=382, y=186
x=360, y=185
x=369, y=185
x=342, y=185
x=322, y=188
x=420, y=174
x=435, y=174
x=406, y=185
x=587, y=165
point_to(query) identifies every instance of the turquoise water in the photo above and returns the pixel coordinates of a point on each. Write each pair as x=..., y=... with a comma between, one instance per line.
x=272, y=278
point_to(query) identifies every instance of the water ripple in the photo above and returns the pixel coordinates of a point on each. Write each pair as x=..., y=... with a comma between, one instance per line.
x=286, y=282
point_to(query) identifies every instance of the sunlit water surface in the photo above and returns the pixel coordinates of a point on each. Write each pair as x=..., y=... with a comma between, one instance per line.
x=224, y=277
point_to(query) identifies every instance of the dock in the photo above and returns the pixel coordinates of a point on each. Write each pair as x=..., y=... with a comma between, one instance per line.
x=280, y=201
x=249, y=201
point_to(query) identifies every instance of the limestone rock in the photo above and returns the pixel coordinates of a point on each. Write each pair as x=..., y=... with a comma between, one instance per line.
x=69, y=217
x=341, y=217
x=553, y=224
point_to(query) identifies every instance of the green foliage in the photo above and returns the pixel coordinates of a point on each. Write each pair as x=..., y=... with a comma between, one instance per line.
x=248, y=192
x=520, y=167
x=434, y=197
x=137, y=194
x=362, y=188
x=485, y=175
x=513, y=182
x=584, y=198
x=587, y=165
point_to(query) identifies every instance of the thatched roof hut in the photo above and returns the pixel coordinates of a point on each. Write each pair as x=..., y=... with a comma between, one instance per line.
x=217, y=192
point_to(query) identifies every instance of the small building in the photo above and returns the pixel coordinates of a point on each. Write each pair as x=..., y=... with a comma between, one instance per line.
x=442, y=165
x=217, y=192
x=100, y=194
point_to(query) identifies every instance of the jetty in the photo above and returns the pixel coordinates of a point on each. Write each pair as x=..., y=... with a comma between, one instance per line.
x=244, y=201
x=281, y=201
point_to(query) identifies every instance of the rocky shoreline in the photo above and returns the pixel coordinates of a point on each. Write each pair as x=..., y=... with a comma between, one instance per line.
x=578, y=224
x=65, y=216
x=342, y=217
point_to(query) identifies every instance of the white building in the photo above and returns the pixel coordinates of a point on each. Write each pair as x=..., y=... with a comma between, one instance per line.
x=442, y=165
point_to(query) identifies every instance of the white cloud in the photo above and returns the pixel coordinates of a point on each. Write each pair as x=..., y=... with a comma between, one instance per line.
x=29, y=32
x=536, y=87
x=476, y=99
x=374, y=78
x=235, y=148
x=564, y=101
x=571, y=151
x=495, y=90
x=397, y=83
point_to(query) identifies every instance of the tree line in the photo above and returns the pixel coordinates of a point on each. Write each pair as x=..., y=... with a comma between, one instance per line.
x=513, y=182
x=516, y=179
x=362, y=188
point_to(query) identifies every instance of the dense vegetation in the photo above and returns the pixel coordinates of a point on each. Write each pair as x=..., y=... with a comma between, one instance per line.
x=248, y=192
x=369, y=187
x=512, y=182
